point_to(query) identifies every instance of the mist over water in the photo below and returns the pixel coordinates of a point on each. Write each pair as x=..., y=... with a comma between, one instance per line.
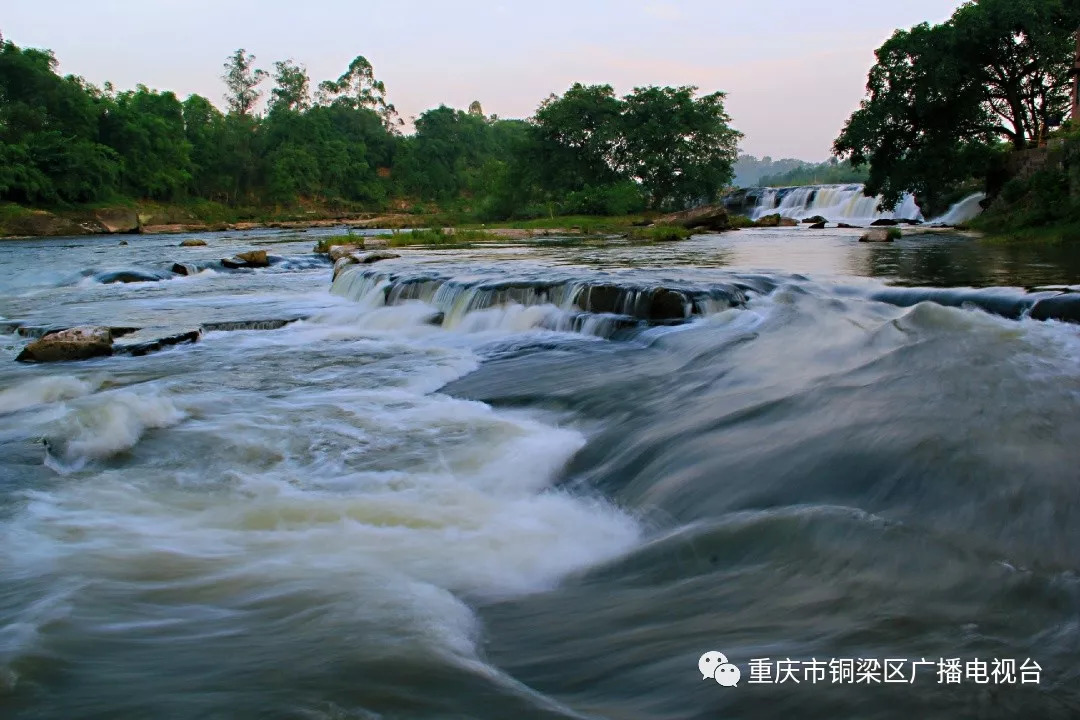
x=539, y=480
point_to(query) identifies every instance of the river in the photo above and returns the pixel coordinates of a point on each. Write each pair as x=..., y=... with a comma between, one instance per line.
x=443, y=490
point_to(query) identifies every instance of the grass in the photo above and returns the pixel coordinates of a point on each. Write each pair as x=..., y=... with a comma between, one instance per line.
x=661, y=233
x=456, y=237
x=1042, y=235
x=588, y=224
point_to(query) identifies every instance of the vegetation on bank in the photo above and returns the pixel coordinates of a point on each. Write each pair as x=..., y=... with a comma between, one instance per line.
x=947, y=104
x=68, y=146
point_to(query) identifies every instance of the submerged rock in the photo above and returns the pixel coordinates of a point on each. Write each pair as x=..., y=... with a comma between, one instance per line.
x=818, y=225
x=1064, y=307
x=845, y=226
x=128, y=276
x=185, y=269
x=192, y=242
x=877, y=235
x=250, y=259
x=81, y=343
x=138, y=347
x=883, y=222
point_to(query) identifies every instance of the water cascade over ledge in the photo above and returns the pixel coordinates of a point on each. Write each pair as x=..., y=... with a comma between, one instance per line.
x=835, y=203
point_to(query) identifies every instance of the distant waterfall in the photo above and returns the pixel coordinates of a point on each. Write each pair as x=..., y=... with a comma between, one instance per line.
x=835, y=203
x=964, y=211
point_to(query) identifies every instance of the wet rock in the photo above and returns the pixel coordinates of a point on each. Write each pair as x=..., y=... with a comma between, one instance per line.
x=337, y=252
x=128, y=276
x=250, y=259
x=668, y=305
x=185, y=269
x=705, y=217
x=883, y=222
x=81, y=343
x=876, y=235
x=374, y=257
x=1063, y=307
x=787, y=222
x=122, y=243
x=815, y=220
x=234, y=325
x=118, y=220
x=818, y=226
x=138, y=347
x=193, y=242
x=845, y=226
x=769, y=220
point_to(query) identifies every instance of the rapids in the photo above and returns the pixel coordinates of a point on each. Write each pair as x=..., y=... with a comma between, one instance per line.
x=540, y=479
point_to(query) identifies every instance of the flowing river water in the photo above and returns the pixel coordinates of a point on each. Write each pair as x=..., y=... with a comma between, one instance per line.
x=539, y=480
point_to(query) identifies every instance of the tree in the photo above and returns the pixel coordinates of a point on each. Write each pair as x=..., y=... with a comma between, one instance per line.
x=680, y=148
x=242, y=80
x=941, y=98
x=358, y=88
x=291, y=88
x=577, y=138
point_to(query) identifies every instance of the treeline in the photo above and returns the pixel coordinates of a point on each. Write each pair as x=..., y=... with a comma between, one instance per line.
x=64, y=141
x=830, y=172
x=947, y=103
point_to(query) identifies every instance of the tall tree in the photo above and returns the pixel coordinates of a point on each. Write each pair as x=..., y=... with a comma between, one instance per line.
x=292, y=87
x=242, y=81
x=358, y=88
x=680, y=148
x=941, y=97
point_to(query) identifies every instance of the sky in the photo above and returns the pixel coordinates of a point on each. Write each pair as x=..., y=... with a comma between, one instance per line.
x=793, y=69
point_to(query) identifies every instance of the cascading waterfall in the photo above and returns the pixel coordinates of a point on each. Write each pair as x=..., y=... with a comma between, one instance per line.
x=599, y=309
x=964, y=211
x=836, y=203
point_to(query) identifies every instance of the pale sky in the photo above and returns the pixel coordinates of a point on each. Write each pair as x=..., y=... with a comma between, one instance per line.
x=793, y=69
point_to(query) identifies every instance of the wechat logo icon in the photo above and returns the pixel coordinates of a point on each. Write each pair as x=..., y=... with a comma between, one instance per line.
x=715, y=666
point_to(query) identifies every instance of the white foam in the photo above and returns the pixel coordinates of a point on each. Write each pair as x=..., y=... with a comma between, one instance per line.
x=110, y=423
x=43, y=391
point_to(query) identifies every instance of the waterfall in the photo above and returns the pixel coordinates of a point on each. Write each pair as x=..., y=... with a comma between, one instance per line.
x=835, y=203
x=600, y=309
x=964, y=211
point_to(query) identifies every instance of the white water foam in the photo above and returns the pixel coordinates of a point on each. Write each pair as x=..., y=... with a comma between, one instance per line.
x=43, y=391
x=836, y=203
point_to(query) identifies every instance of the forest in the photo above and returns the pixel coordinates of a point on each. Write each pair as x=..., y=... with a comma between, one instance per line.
x=282, y=141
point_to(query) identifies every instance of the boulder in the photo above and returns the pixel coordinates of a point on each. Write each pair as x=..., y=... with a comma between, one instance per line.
x=140, y=344
x=79, y=343
x=877, y=235
x=41, y=223
x=788, y=222
x=250, y=259
x=818, y=226
x=122, y=243
x=337, y=252
x=769, y=220
x=192, y=242
x=845, y=226
x=815, y=220
x=705, y=217
x=375, y=242
x=883, y=222
x=184, y=269
x=118, y=220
